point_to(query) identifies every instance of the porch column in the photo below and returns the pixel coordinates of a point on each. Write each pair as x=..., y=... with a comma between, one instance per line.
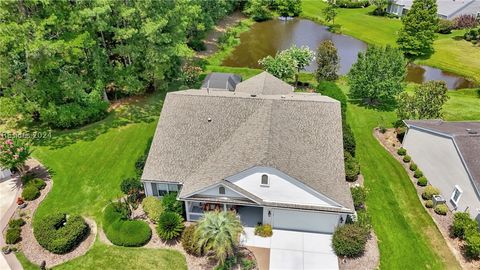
x=224, y=207
x=187, y=210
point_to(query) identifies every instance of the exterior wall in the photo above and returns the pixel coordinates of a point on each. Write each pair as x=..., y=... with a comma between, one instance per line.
x=214, y=192
x=440, y=162
x=471, y=9
x=147, y=186
x=4, y=174
x=395, y=9
x=282, y=188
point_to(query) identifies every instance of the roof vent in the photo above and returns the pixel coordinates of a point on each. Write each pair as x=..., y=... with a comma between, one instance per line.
x=253, y=95
x=209, y=119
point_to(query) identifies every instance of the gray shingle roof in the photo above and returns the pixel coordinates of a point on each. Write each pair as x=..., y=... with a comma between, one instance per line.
x=446, y=8
x=266, y=84
x=221, y=81
x=300, y=135
x=466, y=136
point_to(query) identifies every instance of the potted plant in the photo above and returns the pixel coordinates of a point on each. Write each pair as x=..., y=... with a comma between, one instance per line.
x=21, y=203
x=6, y=250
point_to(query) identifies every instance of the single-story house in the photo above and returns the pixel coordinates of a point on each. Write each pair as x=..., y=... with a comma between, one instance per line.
x=5, y=173
x=448, y=153
x=264, y=84
x=447, y=9
x=217, y=81
x=272, y=158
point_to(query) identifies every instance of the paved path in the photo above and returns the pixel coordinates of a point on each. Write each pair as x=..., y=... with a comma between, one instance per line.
x=8, y=193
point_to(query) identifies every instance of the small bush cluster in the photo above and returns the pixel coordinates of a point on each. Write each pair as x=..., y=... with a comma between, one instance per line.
x=60, y=233
x=472, y=35
x=352, y=168
x=153, y=208
x=359, y=196
x=188, y=241
x=418, y=173
x=465, y=21
x=352, y=4
x=441, y=209
x=413, y=167
x=16, y=223
x=170, y=225
x=429, y=192
x=264, y=230
x=407, y=158
x=32, y=187
x=30, y=193
x=350, y=240
x=429, y=203
x=463, y=224
x=472, y=246
x=122, y=231
x=171, y=204
x=422, y=181
x=72, y=115
x=445, y=26
x=13, y=235
x=402, y=151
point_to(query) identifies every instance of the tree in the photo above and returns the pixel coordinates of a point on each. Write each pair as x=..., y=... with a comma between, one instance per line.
x=282, y=66
x=289, y=8
x=330, y=13
x=378, y=75
x=420, y=24
x=327, y=61
x=380, y=7
x=218, y=232
x=425, y=103
x=302, y=56
x=13, y=154
x=258, y=10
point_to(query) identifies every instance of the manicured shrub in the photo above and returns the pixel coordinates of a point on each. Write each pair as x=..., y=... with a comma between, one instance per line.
x=445, y=26
x=16, y=223
x=38, y=182
x=188, y=241
x=359, y=196
x=418, y=173
x=429, y=192
x=429, y=203
x=462, y=224
x=140, y=164
x=60, y=233
x=130, y=185
x=352, y=168
x=264, y=230
x=30, y=192
x=407, y=158
x=472, y=245
x=170, y=225
x=349, y=240
x=349, y=143
x=352, y=4
x=124, y=232
x=441, y=209
x=422, y=181
x=152, y=207
x=13, y=235
x=413, y=167
x=171, y=204
x=402, y=151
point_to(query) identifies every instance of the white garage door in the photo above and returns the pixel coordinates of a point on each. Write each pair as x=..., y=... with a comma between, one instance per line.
x=304, y=221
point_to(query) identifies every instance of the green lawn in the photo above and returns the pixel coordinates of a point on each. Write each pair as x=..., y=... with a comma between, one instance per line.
x=451, y=54
x=463, y=105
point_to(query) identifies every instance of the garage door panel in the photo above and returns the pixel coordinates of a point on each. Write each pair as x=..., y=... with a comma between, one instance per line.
x=304, y=221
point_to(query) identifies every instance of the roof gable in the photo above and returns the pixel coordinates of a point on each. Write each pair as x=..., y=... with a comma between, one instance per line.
x=265, y=84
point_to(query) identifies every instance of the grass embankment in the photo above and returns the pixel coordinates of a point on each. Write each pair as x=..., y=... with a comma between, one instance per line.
x=451, y=52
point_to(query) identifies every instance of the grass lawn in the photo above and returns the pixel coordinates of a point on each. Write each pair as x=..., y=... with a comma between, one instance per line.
x=463, y=105
x=451, y=54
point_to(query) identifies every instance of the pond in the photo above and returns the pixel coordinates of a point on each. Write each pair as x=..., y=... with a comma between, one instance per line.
x=266, y=38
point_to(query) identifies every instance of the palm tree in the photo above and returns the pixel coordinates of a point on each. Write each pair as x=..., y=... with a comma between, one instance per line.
x=218, y=232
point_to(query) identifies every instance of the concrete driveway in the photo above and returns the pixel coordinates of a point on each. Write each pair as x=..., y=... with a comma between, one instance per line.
x=8, y=193
x=295, y=250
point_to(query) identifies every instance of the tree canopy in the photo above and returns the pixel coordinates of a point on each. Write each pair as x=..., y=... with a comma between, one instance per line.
x=378, y=75
x=288, y=63
x=425, y=103
x=327, y=61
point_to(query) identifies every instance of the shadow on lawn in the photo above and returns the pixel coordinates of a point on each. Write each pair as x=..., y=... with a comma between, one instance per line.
x=143, y=110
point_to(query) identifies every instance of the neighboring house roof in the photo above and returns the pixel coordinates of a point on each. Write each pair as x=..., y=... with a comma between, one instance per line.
x=447, y=8
x=264, y=84
x=221, y=81
x=466, y=136
x=202, y=138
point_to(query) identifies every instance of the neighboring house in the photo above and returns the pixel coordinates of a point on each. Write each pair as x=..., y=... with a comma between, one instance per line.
x=448, y=153
x=217, y=81
x=447, y=9
x=5, y=173
x=272, y=158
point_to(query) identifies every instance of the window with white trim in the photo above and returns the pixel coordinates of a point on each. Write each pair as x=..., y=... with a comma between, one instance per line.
x=265, y=181
x=456, y=194
x=160, y=189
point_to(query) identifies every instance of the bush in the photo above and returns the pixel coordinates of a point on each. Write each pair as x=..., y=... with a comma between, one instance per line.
x=407, y=158
x=465, y=21
x=349, y=143
x=349, y=240
x=188, y=241
x=472, y=35
x=402, y=151
x=413, y=167
x=445, y=26
x=60, y=233
x=171, y=204
x=352, y=4
x=422, y=181
x=418, y=173
x=170, y=225
x=13, y=235
x=441, y=209
x=71, y=115
x=258, y=10
x=429, y=192
x=124, y=232
x=462, y=224
x=472, y=246
x=359, y=196
x=16, y=223
x=130, y=185
x=429, y=203
x=38, y=182
x=264, y=230
x=140, y=164
x=352, y=168
x=153, y=208
x=30, y=192
x=247, y=264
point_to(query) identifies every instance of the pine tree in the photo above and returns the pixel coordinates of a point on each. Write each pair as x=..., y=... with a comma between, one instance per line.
x=327, y=62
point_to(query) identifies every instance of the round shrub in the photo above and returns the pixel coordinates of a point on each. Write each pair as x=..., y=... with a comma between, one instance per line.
x=352, y=168
x=441, y=209
x=16, y=223
x=359, y=196
x=13, y=235
x=417, y=173
x=429, y=192
x=462, y=223
x=407, y=158
x=30, y=192
x=124, y=232
x=264, y=230
x=60, y=233
x=349, y=240
x=38, y=182
x=413, y=167
x=188, y=241
x=152, y=207
x=170, y=225
x=422, y=181
x=472, y=246
x=429, y=203
x=402, y=151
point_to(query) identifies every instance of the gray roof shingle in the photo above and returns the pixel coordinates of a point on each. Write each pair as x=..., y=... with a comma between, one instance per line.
x=265, y=84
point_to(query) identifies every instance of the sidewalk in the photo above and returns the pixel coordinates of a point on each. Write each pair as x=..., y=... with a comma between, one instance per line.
x=8, y=193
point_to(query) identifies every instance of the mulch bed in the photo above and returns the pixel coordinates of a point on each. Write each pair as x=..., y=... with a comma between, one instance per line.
x=390, y=142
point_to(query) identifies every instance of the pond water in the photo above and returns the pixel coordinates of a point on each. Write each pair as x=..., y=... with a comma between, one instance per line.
x=266, y=38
